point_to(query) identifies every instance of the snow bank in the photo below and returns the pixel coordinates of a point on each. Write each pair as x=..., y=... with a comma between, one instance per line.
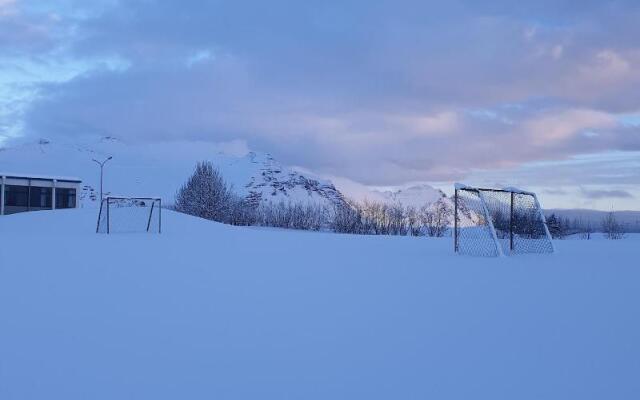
x=211, y=311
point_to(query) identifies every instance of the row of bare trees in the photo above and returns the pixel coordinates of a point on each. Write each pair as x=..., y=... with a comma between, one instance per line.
x=375, y=218
x=207, y=195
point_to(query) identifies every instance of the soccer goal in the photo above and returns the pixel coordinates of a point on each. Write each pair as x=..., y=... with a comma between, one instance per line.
x=496, y=222
x=130, y=215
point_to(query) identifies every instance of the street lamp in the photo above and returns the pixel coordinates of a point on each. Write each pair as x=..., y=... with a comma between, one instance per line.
x=101, y=164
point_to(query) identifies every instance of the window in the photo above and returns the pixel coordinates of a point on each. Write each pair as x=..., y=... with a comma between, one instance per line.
x=40, y=198
x=16, y=198
x=65, y=198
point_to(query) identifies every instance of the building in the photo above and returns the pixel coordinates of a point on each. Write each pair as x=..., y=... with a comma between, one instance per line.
x=21, y=193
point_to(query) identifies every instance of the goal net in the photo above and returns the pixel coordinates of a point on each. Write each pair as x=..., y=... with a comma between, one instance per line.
x=129, y=215
x=496, y=222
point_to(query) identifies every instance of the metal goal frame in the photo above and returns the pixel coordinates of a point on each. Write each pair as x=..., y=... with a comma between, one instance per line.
x=512, y=229
x=108, y=200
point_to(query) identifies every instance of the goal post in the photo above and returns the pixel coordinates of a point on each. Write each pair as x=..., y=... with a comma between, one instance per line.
x=497, y=222
x=130, y=215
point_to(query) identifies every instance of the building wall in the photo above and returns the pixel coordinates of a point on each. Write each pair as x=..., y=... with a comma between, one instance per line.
x=19, y=194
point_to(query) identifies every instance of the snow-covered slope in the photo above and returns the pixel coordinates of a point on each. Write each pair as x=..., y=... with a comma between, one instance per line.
x=160, y=169
x=208, y=311
x=427, y=196
x=267, y=180
x=413, y=196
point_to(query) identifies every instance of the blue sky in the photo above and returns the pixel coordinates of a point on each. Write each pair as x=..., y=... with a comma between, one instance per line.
x=539, y=94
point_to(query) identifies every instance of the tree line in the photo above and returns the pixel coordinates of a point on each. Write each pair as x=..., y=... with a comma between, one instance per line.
x=560, y=227
x=206, y=194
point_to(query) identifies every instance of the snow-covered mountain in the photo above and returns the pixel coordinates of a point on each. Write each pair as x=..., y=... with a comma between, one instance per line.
x=424, y=195
x=160, y=169
x=413, y=196
x=267, y=180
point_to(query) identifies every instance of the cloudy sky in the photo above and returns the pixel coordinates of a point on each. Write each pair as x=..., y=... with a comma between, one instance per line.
x=540, y=94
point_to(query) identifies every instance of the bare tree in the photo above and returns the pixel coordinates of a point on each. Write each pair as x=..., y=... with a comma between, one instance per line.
x=242, y=211
x=347, y=218
x=304, y=216
x=585, y=230
x=435, y=217
x=611, y=227
x=414, y=227
x=396, y=215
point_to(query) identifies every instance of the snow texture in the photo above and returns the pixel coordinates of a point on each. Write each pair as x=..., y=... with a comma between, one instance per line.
x=209, y=311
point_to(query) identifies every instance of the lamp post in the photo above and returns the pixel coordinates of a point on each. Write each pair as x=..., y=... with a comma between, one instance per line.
x=101, y=164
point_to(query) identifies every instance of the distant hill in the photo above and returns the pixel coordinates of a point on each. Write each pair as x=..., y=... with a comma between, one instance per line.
x=630, y=219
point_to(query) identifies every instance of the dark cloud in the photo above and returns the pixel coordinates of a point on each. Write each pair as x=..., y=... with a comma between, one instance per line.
x=606, y=194
x=557, y=192
x=379, y=92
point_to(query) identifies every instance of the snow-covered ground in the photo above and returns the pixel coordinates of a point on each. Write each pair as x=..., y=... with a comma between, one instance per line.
x=207, y=311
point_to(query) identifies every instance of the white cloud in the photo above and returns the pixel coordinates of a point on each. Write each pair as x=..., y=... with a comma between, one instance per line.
x=560, y=126
x=199, y=56
x=439, y=124
x=8, y=7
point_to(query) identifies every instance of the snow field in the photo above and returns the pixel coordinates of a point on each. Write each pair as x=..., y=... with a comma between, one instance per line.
x=211, y=311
